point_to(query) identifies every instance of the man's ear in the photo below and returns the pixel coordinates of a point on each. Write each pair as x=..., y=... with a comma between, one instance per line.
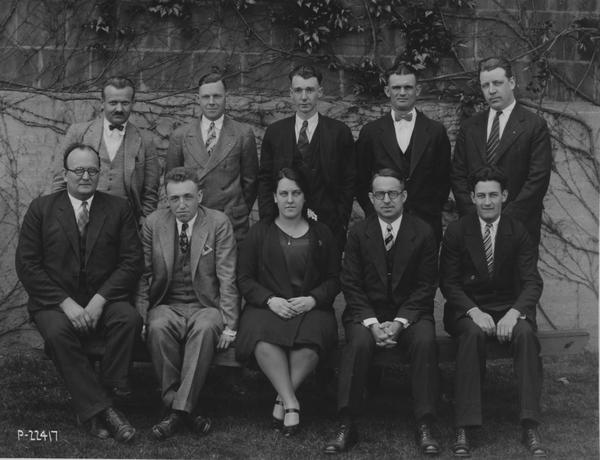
x=504, y=195
x=473, y=197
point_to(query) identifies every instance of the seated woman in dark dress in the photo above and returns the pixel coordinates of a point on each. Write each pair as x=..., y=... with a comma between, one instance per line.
x=288, y=273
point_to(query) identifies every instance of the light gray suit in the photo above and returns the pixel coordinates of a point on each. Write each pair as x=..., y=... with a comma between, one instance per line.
x=228, y=176
x=197, y=327
x=141, y=168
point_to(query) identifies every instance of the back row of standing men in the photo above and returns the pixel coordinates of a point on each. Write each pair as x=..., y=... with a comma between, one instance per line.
x=223, y=152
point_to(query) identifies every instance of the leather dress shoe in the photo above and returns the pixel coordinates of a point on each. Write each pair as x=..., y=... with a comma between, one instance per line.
x=95, y=427
x=533, y=442
x=118, y=426
x=200, y=425
x=168, y=426
x=426, y=441
x=345, y=437
x=461, y=447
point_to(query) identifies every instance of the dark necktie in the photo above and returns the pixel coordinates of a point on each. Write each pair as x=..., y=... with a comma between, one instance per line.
x=117, y=127
x=494, y=139
x=489, y=250
x=389, y=237
x=211, y=138
x=184, y=243
x=83, y=217
x=403, y=116
x=303, y=144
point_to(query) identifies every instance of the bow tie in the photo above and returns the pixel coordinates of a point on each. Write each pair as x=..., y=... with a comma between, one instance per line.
x=119, y=127
x=403, y=116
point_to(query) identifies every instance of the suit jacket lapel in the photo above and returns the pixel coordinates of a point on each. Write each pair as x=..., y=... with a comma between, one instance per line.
x=199, y=237
x=132, y=143
x=98, y=214
x=166, y=240
x=66, y=218
x=480, y=131
x=513, y=129
x=501, y=248
x=403, y=247
x=376, y=247
x=389, y=141
x=224, y=145
x=195, y=146
x=474, y=245
x=419, y=140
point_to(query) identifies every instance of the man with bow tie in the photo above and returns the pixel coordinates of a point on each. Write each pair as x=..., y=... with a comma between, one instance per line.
x=507, y=136
x=321, y=147
x=79, y=259
x=489, y=277
x=187, y=296
x=223, y=152
x=128, y=161
x=406, y=139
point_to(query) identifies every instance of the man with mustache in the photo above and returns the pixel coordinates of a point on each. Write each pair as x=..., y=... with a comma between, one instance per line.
x=128, y=161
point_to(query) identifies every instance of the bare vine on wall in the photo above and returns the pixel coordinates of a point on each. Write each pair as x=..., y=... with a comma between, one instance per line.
x=63, y=50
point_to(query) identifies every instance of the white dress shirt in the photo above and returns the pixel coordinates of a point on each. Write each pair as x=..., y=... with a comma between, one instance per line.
x=205, y=126
x=501, y=121
x=76, y=204
x=404, y=130
x=310, y=129
x=493, y=231
x=112, y=139
x=190, y=223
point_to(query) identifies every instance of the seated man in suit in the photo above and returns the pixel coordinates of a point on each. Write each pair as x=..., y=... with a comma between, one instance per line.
x=128, y=160
x=489, y=277
x=187, y=296
x=223, y=152
x=79, y=259
x=388, y=278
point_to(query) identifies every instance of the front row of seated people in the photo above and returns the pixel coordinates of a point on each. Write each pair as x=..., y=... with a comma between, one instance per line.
x=79, y=258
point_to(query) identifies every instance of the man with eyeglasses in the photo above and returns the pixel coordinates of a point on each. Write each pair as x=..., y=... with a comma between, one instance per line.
x=388, y=279
x=406, y=139
x=323, y=148
x=128, y=159
x=79, y=259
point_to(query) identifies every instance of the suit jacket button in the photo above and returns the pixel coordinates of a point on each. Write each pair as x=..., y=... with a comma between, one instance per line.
x=472, y=277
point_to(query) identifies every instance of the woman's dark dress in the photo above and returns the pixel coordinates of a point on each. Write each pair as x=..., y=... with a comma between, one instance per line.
x=273, y=264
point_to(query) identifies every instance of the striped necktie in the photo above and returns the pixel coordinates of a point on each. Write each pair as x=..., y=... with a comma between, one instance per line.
x=488, y=248
x=494, y=139
x=389, y=237
x=303, y=143
x=184, y=243
x=83, y=217
x=211, y=138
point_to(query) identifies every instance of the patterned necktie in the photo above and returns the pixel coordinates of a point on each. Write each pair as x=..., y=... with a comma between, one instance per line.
x=494, y=139
x=211, y=138
x=303, y=144
x=403, y=116
x=184, y=243
x=83, y=217
x=389, y=237
x=489, y=250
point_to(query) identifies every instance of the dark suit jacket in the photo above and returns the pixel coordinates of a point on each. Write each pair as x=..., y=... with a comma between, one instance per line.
x=48, y=258
x=525, y=156
x=333, y=146
x=429, y=176
x=213, y=255
x=142, y=171
x=229, y=176
x=414, y=275
x=464, y=278
x=262, y=270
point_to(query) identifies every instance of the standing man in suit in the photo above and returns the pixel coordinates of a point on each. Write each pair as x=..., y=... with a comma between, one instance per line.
x=507, y=136
x=407, y=140
x=388, y=278
x=188, y=297
x=129, y=163
x=321, y=147
x=489, y=276
x=223, y=151
x=79, y=259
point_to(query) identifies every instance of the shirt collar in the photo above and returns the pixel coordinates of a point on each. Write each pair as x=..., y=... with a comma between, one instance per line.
x=506, y=111
x=395, y=225
x=76, y=203
x=205, y=122
x=190, y=225
x=312, y=122
x=483, y=223
x=112, y=133
x=414, y=116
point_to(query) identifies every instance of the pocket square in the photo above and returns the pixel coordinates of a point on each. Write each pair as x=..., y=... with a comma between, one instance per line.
x=206, y=250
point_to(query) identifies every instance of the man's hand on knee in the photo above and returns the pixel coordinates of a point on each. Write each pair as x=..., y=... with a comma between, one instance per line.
x=506, y=325
x=483, y=320
x=80, y=319
x=380, y=335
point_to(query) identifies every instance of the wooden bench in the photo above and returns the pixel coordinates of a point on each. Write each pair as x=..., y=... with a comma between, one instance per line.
x=553, y=342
